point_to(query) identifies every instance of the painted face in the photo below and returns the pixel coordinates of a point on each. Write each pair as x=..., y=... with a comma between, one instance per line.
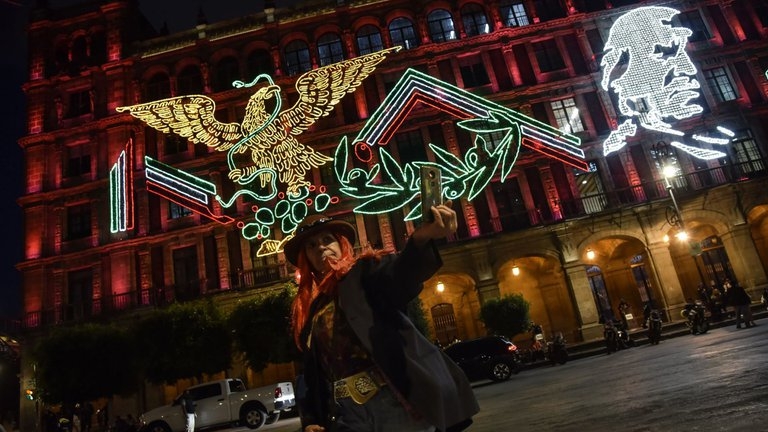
x=659, y=79
x=320, y=248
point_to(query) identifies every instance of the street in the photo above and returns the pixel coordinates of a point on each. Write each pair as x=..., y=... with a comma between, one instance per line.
x=711, y=382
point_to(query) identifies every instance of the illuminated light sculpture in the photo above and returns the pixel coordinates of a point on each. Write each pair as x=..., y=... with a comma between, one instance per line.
x=269, y=137
x=389, y=186
x=656, y=51
x=183, y=188
x=121, y=191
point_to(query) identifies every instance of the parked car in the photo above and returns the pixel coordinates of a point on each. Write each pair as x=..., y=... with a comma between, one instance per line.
x=490, y=357
x=221, y=403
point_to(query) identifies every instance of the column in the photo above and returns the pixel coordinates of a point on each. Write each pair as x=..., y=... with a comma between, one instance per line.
x=742, y=253
x=584, y=300
x=665, y=277
x=222, y=256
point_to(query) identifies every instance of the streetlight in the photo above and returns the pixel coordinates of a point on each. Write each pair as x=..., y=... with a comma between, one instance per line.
x=664, y=155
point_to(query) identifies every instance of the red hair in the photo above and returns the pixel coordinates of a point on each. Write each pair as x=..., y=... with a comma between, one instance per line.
x=310, y=288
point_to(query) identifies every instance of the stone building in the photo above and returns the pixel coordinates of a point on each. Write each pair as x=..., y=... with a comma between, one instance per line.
x=573, y=242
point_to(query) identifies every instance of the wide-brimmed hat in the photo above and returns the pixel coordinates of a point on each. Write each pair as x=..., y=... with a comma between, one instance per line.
x=312, y=225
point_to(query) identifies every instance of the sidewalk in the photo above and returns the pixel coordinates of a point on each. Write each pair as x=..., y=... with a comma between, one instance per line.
x=640, y=337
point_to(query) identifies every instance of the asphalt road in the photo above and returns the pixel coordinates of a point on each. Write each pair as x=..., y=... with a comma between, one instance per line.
x=712, y=382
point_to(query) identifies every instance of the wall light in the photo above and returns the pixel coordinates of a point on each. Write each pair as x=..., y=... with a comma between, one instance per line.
x=515, y=271
x=440, y=287
x=590, y=254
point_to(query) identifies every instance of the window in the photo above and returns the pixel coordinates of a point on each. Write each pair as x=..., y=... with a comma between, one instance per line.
x=78, y=161
x=402, y=33
x=79, y=52
x=79, y=103
x=174, y=144
x=720, y=83
x=410, y=146
x=79, y=293
x=259, y=62
x=761, y=11
x=329, y=49
x=369, y=40
x=440, y=24
x=492, y=140
x=78, y=221
x=693, y=21
x=158, y=87
x=513, y=13
x=548, y=56
x=176, y=211
x=746, y=154
x=227, y=71
x=474, y=19
x=327, y=174
x=473, y=72
x=567, y=115
x=445, y=323
x=297, y=59
x=189, y=81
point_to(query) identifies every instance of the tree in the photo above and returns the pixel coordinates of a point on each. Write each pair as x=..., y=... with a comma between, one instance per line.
x=506, y=316
x=415, y=311
x=262, y=329
x=84, y=362
x=184, y=341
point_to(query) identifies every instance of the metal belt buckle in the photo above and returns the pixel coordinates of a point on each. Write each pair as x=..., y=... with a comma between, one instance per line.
x=360, y=387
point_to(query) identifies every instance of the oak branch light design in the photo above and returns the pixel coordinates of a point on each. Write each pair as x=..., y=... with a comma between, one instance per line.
x=658, y=84
x=388, y=185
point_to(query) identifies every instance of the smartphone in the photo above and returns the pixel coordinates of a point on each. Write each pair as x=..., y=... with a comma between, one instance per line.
x=431, y=191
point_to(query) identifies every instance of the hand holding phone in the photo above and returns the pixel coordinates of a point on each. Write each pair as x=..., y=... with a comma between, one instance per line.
x=431, y=191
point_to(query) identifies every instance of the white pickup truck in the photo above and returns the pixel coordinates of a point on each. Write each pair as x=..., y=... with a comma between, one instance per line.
x=223, y=402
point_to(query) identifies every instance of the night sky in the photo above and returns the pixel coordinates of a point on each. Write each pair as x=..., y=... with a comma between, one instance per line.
x=178, y=14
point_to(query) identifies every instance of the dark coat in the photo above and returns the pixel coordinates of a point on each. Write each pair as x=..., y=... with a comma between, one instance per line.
x=373, y=296
x=737, y=296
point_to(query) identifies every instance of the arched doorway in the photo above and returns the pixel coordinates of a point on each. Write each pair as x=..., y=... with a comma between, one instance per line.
x=444, y=320
x=713, y=261
x=600, y=294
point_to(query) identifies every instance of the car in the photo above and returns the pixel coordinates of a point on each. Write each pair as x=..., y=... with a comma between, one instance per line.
x=490, y=357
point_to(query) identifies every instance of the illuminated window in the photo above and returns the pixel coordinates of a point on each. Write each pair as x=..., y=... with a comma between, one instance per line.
x=329, y=49
x=190, y=80
x=513, y=13
x=297, y=59
x=176, y=211
x=79, y=103
x=78, y=221
x=158, y=87
x=369, y=40
x=78, y=161
x=227, y=70
x=693, y=21
x=473, y=72
x=259, y=62
x=402, y=33
x=720, y=83
x=567, y=115
x=474, y=19
x=440, y=24
x=548, y=55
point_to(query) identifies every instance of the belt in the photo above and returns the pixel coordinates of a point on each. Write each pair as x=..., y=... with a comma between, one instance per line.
x=361, y=387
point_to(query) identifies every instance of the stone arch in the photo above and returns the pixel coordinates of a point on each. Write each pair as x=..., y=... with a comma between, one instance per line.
x=460, y=292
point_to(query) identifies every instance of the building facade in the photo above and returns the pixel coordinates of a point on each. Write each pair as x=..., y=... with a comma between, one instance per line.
x=572, y=242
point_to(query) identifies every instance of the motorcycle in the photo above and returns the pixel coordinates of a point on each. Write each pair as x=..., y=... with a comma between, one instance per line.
x=556, y=349
x=654, y=327
x=697, y=317
x=616, y=337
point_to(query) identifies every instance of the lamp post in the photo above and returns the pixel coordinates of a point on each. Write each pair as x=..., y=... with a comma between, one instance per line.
x=666, y=158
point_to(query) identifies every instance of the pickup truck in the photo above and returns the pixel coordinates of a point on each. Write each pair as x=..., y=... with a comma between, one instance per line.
x=221, y=403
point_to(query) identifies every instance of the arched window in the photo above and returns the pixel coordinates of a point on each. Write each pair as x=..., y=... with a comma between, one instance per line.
x=474, y=19
x=225, y=72
x=259, y=62
x=369, y=40
x=402, y=33
x=189, y=81
x=296, y=57
x=329, y=49
x=440, y=24
x=158, y=87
